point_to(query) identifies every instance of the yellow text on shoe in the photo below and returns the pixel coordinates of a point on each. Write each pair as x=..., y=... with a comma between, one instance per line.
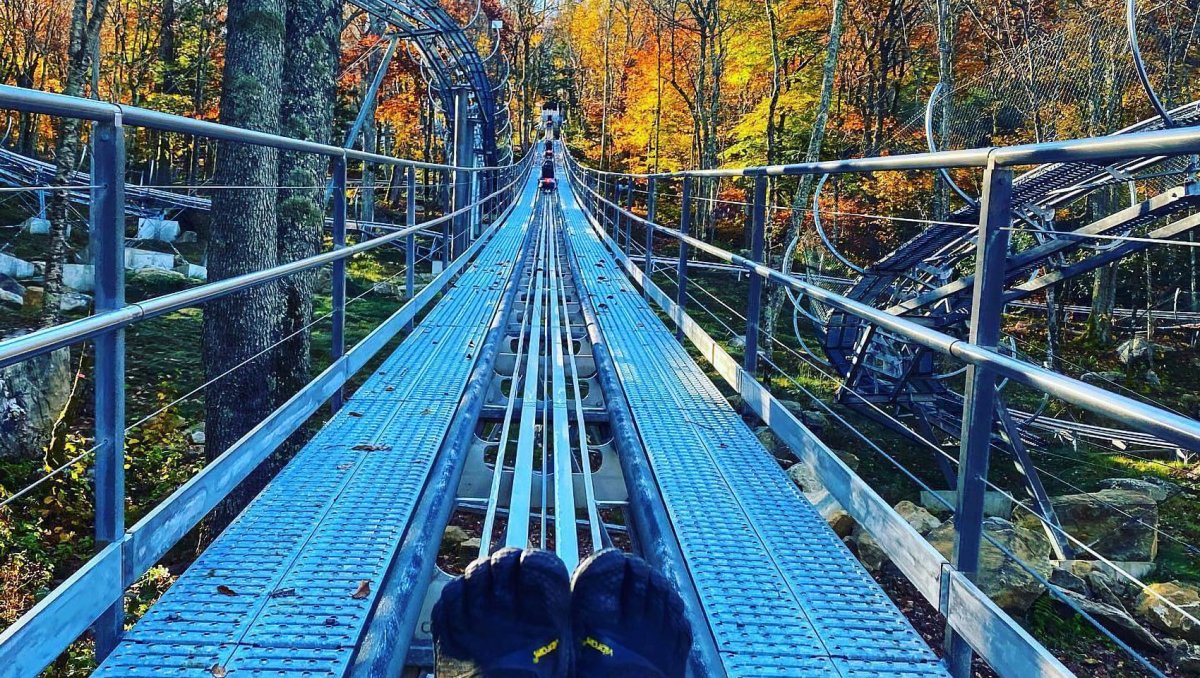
x=597, y=646
x=544, y=650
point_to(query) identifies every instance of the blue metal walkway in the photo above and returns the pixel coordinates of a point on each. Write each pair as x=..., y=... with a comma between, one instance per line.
x=288, y=588
x=782, y=594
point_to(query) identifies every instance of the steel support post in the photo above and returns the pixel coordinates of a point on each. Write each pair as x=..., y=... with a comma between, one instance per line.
x=107, y=236
x=685, y=225
x=338, y=273
x=410, y=241
x=629, y=220
x=979, y=403
x=650, y=205
x=464, y=156
x=758, y=227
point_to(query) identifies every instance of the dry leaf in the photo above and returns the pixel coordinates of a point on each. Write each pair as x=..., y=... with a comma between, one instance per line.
x=363, y=590
x=354, y=414
x=218, y=671
x=225, y=590
x=283, y=593
x=368, y=447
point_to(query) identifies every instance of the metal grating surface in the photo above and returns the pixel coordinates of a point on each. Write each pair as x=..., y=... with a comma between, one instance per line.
x=782, y=594
x=334, y=516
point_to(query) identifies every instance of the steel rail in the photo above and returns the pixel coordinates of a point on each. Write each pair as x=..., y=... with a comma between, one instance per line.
x=45, y=340
x=1172, y=427
x=61, y=105
x=1175, y=141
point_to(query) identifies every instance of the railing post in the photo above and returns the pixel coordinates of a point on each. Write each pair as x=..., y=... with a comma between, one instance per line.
x=629, y=219
x=410, y=241
x=650, y=205
x=758, y=223
x=107, y=225
x=338, y=274
x=979, y=398
x=464, y=156
x=685, y=225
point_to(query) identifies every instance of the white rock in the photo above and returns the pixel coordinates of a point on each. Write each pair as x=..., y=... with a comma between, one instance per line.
x=80, y=277
x=165, y=230
x=36, y=226
x=11, y=298
x=196, y=437
x=193, y=271
x=136, y=259
x=74, y=301
x=15, y=268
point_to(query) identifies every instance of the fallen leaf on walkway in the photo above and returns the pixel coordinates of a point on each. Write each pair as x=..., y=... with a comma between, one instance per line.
x=368, y=447
x=363, y=590
x=331, y=621
x=354, y=414
x=283, y=593
x=225, y=590
x=218, y=671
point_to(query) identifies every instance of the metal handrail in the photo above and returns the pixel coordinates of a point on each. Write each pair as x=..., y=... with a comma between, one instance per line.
x=1146, y=418
x=45, y=340
x=47, y=103
x=1175, y=141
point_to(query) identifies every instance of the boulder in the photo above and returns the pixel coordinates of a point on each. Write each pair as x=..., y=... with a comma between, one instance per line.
x=1183, y=657
x=813, y=419
x=805, y=477
x=1067, y=580
x=453, y=536
x=772, y=443
x=1102, y=589
x=196, y=436
x=11, y=299
x=870, y=553
x=137, y=259
x=994, y=503
x=165, y=230
x=1129, y=534
x=841, y=523
x=1006, y=582
x=921, y=520
x=468, y=549
x=1118, y=621
x=1177, y=615
x=79, y=277
x=74, y=301
x=1158, y=489
x=16, y=268
x=192, y=271
x=32, y=394
x=36, y=226
x=1136, y=352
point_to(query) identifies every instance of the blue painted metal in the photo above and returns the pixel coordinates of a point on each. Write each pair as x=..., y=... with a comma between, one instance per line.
x=781, y=592
x=681, y=273
x=383, y=647
x=979, y=397
x=368, y=101
x=410, y=242
x=336, y=514
x=754, y=303
x=338, y=273
x=464, y=156
x=107, y=226
x=655, y=537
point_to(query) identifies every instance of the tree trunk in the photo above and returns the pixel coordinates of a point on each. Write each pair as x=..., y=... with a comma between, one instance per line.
x=813, y=153
x=306, y=112
x=84, y=32
x=239, y=329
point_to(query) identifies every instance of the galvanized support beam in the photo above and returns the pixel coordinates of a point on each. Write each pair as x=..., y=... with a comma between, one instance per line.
x=338, y=275
x=651, y=208
x=681, y=273
x=979, y=402
x=368, y=102
x=754, y=303
x=629, y=220
x=410, y=241
x=107, y=236
x=464, y=156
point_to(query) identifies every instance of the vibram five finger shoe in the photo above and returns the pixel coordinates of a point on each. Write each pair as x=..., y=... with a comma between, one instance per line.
x=626, y=619
x=508, y=615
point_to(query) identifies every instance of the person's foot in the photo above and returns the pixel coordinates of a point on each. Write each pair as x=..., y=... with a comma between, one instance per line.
x=508, y=615
x=626, y=619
